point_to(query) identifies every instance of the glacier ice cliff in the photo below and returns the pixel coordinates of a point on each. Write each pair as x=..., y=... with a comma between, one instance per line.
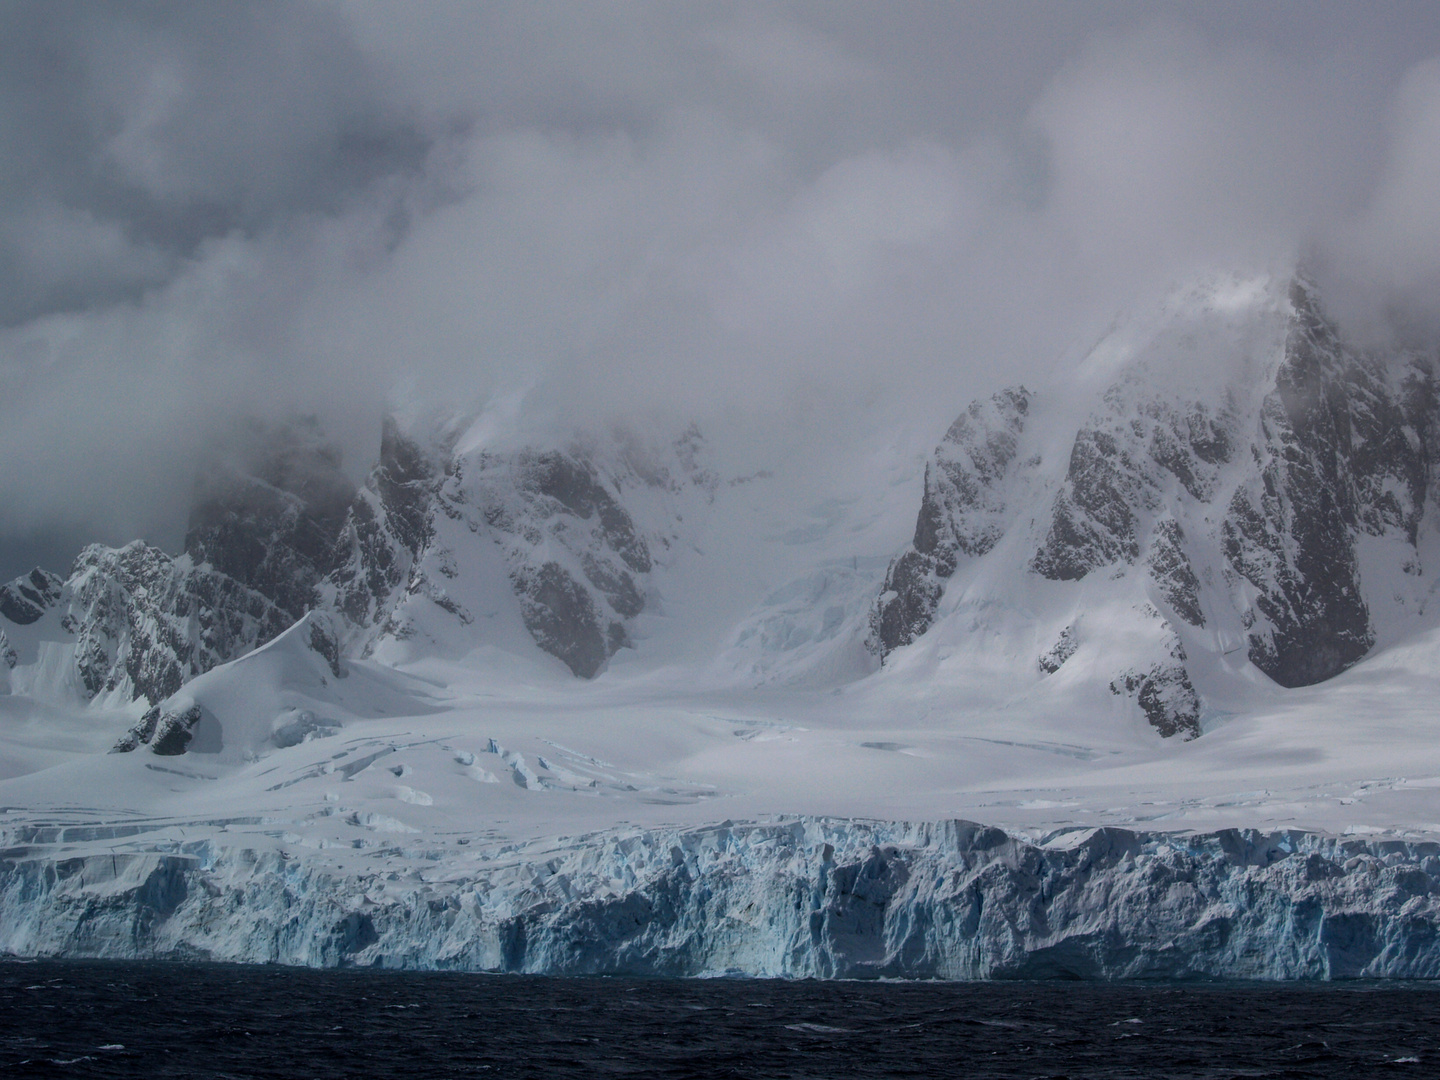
x=803, y=897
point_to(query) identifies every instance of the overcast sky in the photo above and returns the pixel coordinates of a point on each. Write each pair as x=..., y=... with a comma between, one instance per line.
x=654, y=210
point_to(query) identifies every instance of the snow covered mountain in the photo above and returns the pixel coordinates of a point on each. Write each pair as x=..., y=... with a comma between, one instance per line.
x=543, y=537
x=1223, y=489
x=129, y=622
x=527, y=539
x=1244, y=486
x=485, y=708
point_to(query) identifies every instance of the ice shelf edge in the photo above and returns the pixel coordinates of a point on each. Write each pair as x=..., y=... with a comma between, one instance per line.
x=802, y=898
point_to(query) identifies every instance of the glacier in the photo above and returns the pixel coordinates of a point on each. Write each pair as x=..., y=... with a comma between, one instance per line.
x=803, y=898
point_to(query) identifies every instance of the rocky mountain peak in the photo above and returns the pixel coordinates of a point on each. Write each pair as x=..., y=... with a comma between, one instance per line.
x=1241, y=505
x=145, y=622
x=574, y=551
x=268, y=513
x=387, y=526
x=27, y=598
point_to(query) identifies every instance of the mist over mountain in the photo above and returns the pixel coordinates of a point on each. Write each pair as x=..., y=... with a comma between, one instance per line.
x=758, y=218
x=1228, y=490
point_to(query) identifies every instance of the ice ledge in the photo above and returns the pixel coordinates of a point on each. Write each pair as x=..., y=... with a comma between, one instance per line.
x=805, y=897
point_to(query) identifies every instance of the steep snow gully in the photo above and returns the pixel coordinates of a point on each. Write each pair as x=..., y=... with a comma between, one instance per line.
x=1169, y=631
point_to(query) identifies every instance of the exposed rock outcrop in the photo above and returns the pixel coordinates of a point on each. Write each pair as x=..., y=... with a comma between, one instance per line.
x=8, y=659
x=26, y=599
x=146, y=622
x=573, y=549
x=575, y=558
x=276, y=531
x=1161, y=686
x=964, y=512
x=1347, y=447
x=1053, y=659
x=166, y=732
x=1172, y=572
x=386, y=528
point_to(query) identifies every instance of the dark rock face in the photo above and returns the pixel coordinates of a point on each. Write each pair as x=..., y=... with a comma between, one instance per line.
x=140, y=614
x=562, y=618
x=166, y=733
x=262, y=533
x=1345, y=451
x=386, y=529
x=1123, y=463
x=324, y=639
x=174, y=732
x=963, y=512
x=574, y=551
x=576, y=487
x=1172, y=573
x=1242, y=505
x=271, y=522
x=142, y=732
x=1094, y=522
x=26, y=599
x=575, y=557
x=405, y=479
x=1064, y=648
x=1345, y=446
x=277, y=531
x=1163, y=689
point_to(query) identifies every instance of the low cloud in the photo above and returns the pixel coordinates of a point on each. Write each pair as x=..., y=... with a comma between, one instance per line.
x=801, y=214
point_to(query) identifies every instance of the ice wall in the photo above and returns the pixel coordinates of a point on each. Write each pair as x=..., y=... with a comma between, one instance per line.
x=797, y=898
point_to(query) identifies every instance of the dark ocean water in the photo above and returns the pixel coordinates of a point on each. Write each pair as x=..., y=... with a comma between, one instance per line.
x=98, y=1019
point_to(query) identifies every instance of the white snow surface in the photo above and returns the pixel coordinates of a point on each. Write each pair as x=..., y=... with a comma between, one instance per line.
x=474, y=777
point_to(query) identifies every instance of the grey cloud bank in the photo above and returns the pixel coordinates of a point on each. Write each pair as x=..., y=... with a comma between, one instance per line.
x=797, y=213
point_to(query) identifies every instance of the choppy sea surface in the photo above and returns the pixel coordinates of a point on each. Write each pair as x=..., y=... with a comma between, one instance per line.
x=120, y=1019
